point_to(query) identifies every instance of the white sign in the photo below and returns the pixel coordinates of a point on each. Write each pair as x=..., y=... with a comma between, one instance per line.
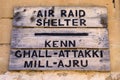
x=60, y=16
x=60, y=38
x=72, y=59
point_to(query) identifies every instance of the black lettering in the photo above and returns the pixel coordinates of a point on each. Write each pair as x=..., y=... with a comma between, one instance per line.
x=39, y=64
x=45, y=13
x=70, y=14
x=18, y=54
x=82, y=22
x=87, y=53
x=53, y=22
x=47, y=54
x=72, y=43
x=47, y=43
x=80, y=54
x=55, y=43
x=28, y=64
x=60, y=23
x=63, y=13
x=76, y=13
x=81, y=13
x=34, y=54
x=51, y=13
x=69, y=65
x=46, y=22
x=35, y=63
x=47, y=64
x=39, y=14
x=26, y=53
x=74, y=51
x=63, y=43
x=40, y=54
x=60, y=64
x=101, y=53
x=39, y=22
x=84, y=64
x=95, y=53
x=75, y=63
x=61, y=54
x=67, y=21
x=74, y=22
x=67, y=52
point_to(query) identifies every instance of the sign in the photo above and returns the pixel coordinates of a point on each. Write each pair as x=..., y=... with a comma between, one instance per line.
x=60, y=16
x=67, y=59
x=60, y=38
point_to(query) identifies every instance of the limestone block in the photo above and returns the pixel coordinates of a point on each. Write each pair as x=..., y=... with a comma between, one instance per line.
x=4, y=58
x=5, y=30
x=7, y=7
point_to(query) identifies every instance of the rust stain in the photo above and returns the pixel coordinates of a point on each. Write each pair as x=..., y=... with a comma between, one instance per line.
x=24, y=10
x=113, y=1
x=62, y=74
x=110, y=77
x=34, y=12
x=53, y=7
x=32, y=19
x=17, y=16
x=103, y=20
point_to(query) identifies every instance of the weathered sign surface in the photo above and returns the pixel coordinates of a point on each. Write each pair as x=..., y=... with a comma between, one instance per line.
x=74, y=59
x=60, y=38
x=60, y=16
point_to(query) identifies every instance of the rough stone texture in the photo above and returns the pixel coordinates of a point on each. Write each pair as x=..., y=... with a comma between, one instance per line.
x=6, y=14
x=4, y=56
x=59, y=75
x=5, y=31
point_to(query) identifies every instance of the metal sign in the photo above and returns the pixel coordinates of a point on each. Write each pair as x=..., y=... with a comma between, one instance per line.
x=60, y=38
